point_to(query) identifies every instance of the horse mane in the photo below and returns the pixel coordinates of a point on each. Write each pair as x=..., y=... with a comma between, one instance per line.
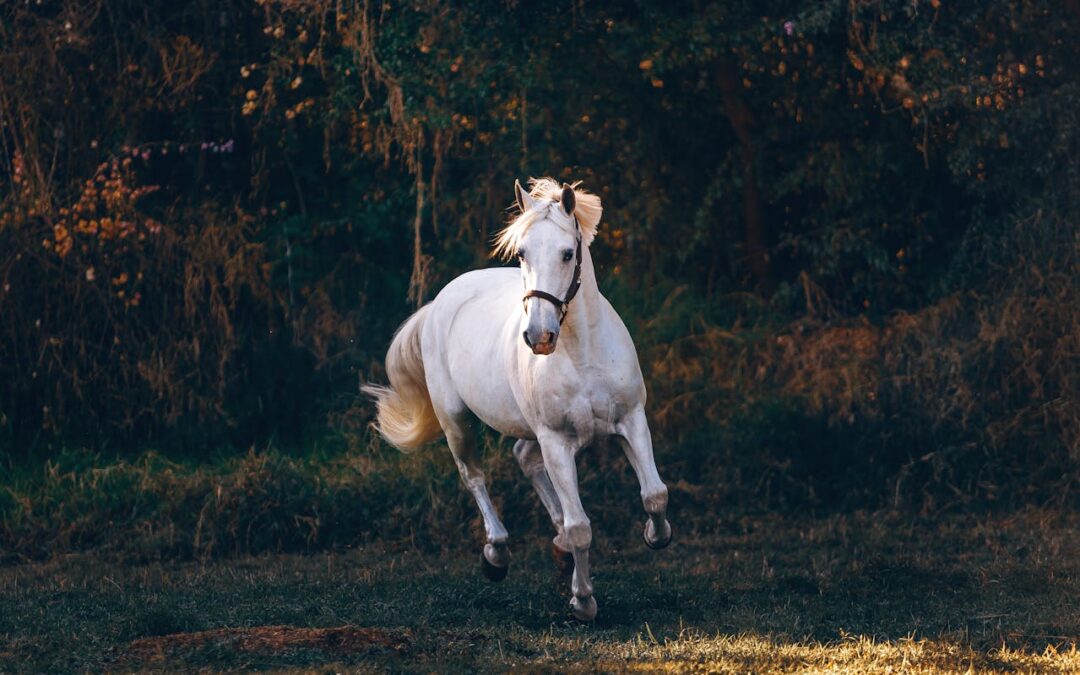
x=548, y=193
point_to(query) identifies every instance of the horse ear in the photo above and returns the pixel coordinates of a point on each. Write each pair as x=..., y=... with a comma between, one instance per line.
x=524, y=199
x=568, y=200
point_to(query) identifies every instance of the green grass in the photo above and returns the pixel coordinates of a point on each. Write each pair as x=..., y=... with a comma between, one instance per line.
x=855, y=593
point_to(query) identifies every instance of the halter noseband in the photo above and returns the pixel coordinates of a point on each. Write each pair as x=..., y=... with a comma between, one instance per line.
x=575, y=283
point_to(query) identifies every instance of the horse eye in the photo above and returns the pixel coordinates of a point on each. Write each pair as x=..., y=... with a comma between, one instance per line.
x=521, y=255
x=567, y=255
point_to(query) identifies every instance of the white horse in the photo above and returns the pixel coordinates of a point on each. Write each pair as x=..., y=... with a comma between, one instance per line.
x=485, y=351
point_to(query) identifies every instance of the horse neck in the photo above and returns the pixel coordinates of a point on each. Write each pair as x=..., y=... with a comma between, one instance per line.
x=584, y=314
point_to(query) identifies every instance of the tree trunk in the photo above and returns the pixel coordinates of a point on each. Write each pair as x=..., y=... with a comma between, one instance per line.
x=756, y=236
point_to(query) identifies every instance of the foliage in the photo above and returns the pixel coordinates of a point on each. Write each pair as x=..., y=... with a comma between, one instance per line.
x=843, y=233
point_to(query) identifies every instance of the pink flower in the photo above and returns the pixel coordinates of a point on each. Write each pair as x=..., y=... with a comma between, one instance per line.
x=789, y=27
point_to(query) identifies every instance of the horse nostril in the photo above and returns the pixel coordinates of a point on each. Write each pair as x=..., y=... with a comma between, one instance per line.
x=525, y=335
x=549, y=337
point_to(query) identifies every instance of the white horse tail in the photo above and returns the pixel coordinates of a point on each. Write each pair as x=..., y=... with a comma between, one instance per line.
x=405, y=416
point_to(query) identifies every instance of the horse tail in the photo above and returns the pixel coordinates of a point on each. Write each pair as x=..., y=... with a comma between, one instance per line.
x=405, y=416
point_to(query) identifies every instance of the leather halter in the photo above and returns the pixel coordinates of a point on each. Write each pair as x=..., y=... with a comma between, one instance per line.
x=575, y=283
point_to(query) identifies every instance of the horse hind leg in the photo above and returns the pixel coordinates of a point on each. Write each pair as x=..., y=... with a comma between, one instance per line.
x=531, y=461
x=461, y=437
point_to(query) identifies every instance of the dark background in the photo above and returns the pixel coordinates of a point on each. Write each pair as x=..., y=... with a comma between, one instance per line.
x=843, y=234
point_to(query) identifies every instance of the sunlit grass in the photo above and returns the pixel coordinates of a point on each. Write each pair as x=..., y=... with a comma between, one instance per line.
x=852, y=654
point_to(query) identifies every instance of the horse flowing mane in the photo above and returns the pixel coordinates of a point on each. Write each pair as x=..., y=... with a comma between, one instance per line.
x=548, y=192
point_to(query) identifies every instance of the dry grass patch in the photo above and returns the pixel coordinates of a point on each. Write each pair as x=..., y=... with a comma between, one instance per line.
x=852, y=654
x=272, y=639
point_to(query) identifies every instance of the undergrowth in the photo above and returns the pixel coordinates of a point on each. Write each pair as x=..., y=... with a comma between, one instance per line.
x=969, y=403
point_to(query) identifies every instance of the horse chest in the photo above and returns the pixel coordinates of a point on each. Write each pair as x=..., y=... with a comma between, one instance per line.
x=587, y=406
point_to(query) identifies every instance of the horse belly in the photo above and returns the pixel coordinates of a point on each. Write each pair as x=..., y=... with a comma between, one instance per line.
x=493, y=403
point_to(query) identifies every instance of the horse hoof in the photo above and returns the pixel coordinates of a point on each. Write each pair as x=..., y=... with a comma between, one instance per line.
x=564, y=560
x=583, y=610
x=652, y=540
x=492, y=572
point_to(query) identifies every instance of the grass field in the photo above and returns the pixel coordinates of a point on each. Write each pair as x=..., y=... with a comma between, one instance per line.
x=854, y=593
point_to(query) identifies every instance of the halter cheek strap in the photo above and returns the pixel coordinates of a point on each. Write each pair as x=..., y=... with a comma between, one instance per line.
x=575, y=283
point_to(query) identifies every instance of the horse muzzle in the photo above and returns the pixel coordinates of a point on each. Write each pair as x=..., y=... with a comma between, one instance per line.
x=542, y=343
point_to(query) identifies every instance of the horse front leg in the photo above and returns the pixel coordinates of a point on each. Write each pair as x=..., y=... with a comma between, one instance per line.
x=636, y=441
x=558, y=454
